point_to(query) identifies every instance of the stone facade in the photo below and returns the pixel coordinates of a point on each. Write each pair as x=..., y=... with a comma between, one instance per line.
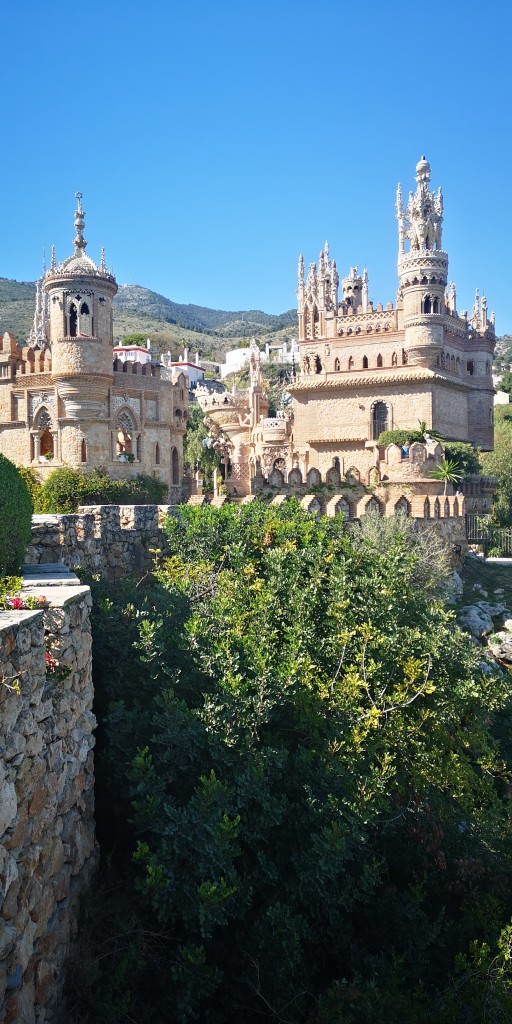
x=64, y=399
x=365, y=369
x=47, y=844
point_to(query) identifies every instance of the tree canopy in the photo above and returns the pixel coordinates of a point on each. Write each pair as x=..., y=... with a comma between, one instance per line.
x=311, y=770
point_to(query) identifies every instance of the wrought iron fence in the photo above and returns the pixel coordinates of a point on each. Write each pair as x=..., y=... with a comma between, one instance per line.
x=481, y=531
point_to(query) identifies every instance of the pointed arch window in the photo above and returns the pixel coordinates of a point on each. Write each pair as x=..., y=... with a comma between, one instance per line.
x=379, y=360
x=337, y=365
x=380, y=419
x=365, y=362
x=175, y=466
x=351, y=363
x=427, y=304
x=72, y=321
x=394, y=359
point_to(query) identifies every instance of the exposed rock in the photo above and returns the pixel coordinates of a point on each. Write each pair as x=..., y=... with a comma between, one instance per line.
x=500, y=645
x=476, y=620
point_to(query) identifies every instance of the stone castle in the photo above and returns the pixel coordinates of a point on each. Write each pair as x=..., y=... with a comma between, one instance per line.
x=364, y=370
x=65, y=399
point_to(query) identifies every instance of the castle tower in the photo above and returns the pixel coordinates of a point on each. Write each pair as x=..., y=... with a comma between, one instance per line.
x=80, y=298
x=317, y=297
x=422, y=269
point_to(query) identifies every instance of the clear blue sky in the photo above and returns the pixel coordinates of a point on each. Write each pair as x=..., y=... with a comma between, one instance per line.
x=214, y=142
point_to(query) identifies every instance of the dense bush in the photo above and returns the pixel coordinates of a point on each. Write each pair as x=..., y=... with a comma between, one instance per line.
x=15, y=517
x=399, y=437
x=65, y=489
x=303, y=785
x=464, y=456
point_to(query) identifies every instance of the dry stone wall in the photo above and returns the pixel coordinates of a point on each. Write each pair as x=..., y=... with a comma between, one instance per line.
x=47, y=844
x=114, y=540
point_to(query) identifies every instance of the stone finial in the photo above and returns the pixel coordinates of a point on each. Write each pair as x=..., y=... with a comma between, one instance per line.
x=301, y=270
x=102, y=261
x=79, y=240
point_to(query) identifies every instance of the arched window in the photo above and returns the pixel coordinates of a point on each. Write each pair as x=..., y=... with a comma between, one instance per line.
x=351, y=363
x=343, y=508
x=402, y=506
x=83, y=450
x=337, y=365
x=125, y=430
x=394, y=359
x=404, y=357
x=157, y=454
x=470, y=367
x=73, y=321
x=453, y=363
x=379, y=360
x=318, y=364
x=427, y=305
x=365, y=362
x=175, y=466
x=380, y=419
x=426, y=509
x=44, y=426
x=85, y=324
x=373, y=506
x=435, y=307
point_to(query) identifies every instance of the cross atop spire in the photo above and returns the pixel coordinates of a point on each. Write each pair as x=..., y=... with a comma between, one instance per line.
x=79, y=240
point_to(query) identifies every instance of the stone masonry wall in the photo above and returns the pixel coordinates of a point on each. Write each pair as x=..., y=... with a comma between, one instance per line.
x=115, y=540
x=47, y=844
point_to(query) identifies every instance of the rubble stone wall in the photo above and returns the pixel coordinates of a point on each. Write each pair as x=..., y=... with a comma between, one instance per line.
x=47, y=843
x=114, y=540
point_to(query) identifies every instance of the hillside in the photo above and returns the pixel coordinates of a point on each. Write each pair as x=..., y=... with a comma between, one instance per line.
x=170, y=325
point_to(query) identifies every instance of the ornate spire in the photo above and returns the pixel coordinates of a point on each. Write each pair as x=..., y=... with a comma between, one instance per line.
x=102, y=261
x=39, y=332
x=422, y=221
x=53, y=264
x=301, y=270
x=79, y=240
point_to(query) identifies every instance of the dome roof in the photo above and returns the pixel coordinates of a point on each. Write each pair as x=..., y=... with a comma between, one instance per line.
x=423, y=168
x=78, y=264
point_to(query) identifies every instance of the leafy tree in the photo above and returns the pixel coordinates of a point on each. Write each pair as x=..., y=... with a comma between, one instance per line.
x=135, y=339
x=303, y=752
x=505, y=383
x=464, y=455
x=15, y=517
x=197, y=450
x=499, y=463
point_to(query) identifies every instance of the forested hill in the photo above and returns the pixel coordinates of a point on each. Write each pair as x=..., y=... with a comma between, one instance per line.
x=172, y=325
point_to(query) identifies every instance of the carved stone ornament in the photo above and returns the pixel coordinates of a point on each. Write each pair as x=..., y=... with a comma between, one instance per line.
x=119, y=400
x=43, y=398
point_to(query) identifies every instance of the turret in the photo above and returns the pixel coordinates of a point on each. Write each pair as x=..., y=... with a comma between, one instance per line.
x=80, y=298
x=422, y=268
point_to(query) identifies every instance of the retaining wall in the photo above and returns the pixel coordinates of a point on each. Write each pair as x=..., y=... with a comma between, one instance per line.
x=47, y=844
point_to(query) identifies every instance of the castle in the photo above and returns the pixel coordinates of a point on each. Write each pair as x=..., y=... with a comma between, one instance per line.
x=364, y=370
x=65, y=399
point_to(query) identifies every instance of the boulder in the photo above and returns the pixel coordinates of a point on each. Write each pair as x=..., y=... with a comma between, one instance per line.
x=476, y=620
x=500, y=645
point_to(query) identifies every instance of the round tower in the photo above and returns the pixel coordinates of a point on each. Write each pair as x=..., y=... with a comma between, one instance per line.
x=422, y=269
x=80, y=298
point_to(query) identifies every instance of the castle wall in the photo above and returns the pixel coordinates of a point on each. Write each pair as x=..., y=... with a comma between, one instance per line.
x=115, y=540
x=47, y=845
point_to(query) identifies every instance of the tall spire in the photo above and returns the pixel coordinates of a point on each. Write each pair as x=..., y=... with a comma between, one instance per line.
x=79, y=240
x=53, y=264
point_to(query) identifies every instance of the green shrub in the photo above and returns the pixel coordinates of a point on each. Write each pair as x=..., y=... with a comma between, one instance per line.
x=66, y=489
x=464, y=455
x=15, y=517
x=399, y=437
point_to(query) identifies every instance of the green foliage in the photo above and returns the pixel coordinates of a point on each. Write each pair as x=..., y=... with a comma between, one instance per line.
x=65, y=489
x=464, y=456
x=33, y=483
x=447, y=471
x=399, y=437
x=499, y=463
x=505, y=383
x=15, y=517
x=302, y=780
x=196, y=450
x=135, y=339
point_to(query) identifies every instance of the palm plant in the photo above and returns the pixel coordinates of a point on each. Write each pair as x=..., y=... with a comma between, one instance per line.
x=448, y=471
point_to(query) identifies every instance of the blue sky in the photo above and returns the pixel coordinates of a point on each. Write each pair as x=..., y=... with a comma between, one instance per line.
x=215, y=142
